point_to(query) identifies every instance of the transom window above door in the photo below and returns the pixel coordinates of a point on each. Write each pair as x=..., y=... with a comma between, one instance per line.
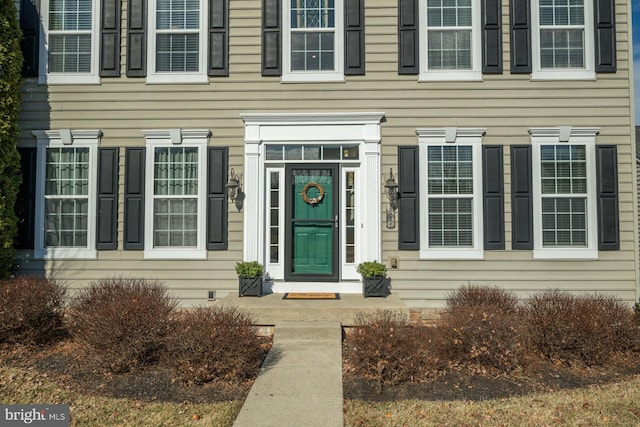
x=347, y=152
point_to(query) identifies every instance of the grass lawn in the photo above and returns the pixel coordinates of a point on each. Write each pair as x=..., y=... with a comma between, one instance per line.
x=616, y=404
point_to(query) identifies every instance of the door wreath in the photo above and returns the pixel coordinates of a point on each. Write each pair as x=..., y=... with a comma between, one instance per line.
x=312, y=200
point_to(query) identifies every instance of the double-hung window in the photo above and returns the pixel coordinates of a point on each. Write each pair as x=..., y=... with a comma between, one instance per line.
x=177, y=41
x=450, y=40
x=66, y=194
x=175, y=188
x=69, y=50
x=564, y=195
x=313, y=40
x=451, y=193
x=562, y=39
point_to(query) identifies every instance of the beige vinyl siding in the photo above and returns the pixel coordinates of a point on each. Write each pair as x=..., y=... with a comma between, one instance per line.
x=506, y=105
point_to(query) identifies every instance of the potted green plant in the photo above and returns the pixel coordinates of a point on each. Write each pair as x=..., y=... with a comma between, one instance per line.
x=375, y=282
x=250, y=278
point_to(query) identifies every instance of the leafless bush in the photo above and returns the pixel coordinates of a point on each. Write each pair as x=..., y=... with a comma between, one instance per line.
x=481, y=327
x=214, y=343
x=385, y=348
x=586, y=329
x=31, y=310
x=122, y=322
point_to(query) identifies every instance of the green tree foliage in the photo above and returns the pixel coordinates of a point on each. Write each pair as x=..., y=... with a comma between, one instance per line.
x=10, y=82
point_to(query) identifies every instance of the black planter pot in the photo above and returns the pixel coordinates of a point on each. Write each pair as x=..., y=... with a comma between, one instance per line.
x=376, y=286
x=250, y=287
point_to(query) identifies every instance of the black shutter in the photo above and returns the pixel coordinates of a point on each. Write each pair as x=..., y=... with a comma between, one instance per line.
x=607, y=183
x=30, y=43
x=107, y=223
x=137, y=38
x=493, y=200
x=218, y=38
x=521, y=197
x=26, y=201
x=408, y=200
x=408, y=37
x=520, y=17
x=492, y=36
x=354, y=37
x=217, y=198
x=271, y=38
x=134, y=198
x=110, y=38
x=605, y=35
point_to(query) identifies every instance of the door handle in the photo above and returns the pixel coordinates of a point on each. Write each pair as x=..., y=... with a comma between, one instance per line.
x=335, y=221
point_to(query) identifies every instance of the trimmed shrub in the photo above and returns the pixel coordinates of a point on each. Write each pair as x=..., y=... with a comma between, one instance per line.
x=383, y=347
x=31, y=310
x=481, y=327
x=122, y=322
x=216, y=343
x=584, y=329
x=10, y=83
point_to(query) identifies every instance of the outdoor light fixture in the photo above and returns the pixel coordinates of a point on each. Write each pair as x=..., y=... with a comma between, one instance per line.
x=391, y=190
x=233, y=185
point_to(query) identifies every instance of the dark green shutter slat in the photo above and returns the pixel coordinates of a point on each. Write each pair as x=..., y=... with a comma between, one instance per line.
x=217, y=198
x=218, y=38
x=493, y=200
x=271, y=38
x=607, y=189
x=137, y=38
x=521, y=197
x=492, y=36
x=30, y=43
x=134, y=198
x=110, y=39
x=107, y=222
x=408, y=37
x=26, y=201
x=605, y=35
x=354, y=37
x=520, y=17
x=408, y=200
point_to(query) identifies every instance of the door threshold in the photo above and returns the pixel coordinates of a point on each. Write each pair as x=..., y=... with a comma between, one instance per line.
x=346, y=287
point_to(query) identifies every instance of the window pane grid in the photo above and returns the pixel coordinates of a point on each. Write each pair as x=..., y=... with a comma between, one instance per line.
x=563, y=169
x=69, y=36
x=564, y=222
x=312, y=153
x=177, y=35
x=450, y=222
x=449, y=25
x=274, y=207
x=312, y=35
x=175, y=175
x=450, y=170
x=350, y=214
x=66, y=222
x=562, y=32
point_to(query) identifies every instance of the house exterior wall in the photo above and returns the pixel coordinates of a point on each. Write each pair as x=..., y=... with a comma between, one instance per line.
x=506, y=105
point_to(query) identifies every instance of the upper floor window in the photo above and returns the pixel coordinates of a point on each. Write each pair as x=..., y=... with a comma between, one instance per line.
x=66, y=193
x=450, y=40
x=313, y=40
x=451, y=193
x=69, y=53
x=562, y=39
x=177, y=41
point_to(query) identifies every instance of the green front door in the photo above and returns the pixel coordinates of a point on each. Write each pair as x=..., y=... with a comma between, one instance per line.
x=313, y=223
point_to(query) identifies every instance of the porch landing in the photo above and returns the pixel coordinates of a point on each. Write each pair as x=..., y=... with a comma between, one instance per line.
x=272, y=309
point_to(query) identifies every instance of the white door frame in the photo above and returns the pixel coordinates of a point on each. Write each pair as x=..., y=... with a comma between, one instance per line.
x=362, y=128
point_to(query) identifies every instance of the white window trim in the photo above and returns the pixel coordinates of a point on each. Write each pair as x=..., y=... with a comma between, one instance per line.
x=458, y=136
x=337, y=75
x=568, y=136
x=56, y=139
x=586, y=73
x=171, y=137
x=44, y=76
x=475, y=73
x=168, y=77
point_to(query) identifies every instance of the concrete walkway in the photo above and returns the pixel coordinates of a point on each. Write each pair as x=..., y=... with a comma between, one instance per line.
x=300, y=383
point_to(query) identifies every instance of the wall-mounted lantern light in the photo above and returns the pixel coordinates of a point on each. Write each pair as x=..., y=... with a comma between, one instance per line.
x=233, y=185
x=391, y=190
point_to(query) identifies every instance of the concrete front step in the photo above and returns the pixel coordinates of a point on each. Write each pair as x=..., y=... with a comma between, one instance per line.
x=272, y=309
x=316, y=331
